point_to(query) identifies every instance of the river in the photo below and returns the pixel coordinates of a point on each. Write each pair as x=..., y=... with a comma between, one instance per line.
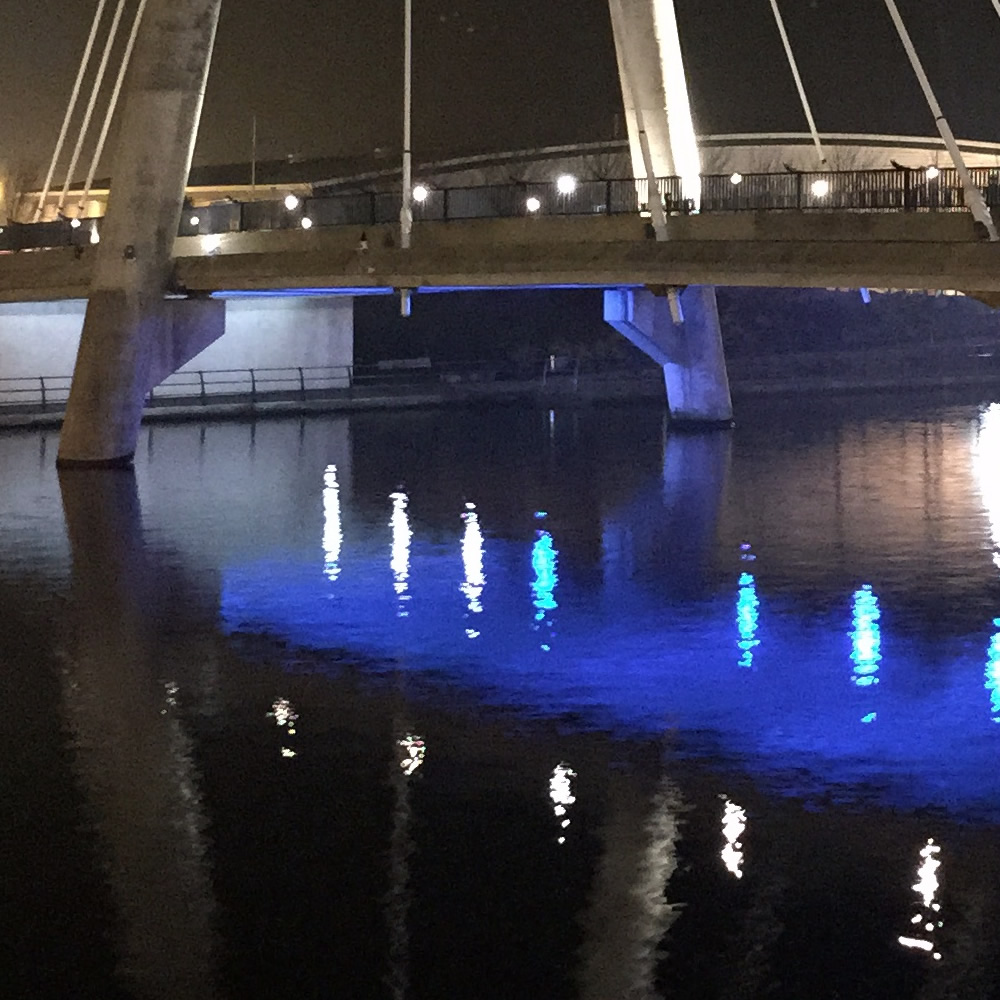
x=506, y=702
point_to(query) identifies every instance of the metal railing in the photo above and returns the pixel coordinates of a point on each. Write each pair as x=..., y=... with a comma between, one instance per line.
x=48, y=394
x=898, y=190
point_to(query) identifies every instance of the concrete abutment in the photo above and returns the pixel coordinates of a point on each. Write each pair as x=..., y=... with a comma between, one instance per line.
x=690, y=353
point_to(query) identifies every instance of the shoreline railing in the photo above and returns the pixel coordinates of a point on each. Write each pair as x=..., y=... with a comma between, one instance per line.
x=48, y=394
x=865, y=191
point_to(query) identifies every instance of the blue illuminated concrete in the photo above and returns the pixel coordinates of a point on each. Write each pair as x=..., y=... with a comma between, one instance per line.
x=687, y=346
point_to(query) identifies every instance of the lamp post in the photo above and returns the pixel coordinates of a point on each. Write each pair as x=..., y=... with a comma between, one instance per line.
x=406, y=211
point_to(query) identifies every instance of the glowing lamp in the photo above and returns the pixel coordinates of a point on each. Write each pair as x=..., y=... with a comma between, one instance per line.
x=533, y=204
x=291, y=202
x=566, y=184
x=932, y=173
x=194, y=220
x=306, y=223
x=420, y=193
x=74, y=224
x=820, y=188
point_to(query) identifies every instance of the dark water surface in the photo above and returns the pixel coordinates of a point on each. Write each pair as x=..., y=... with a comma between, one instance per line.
x=504, y=703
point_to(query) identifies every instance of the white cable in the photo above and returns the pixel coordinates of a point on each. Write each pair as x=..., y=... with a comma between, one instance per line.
x=70, y=108
x=973, y=196
x=98, y=80
x=112, y=104
x=996, y=6
x=798, y=81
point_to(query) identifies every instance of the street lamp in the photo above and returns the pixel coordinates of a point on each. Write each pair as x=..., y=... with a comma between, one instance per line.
x=566, y=184
x=421, y=193
x=532, y=204
x=291, y=202
x=737, y=178
x=820, y=188
x=932, y=173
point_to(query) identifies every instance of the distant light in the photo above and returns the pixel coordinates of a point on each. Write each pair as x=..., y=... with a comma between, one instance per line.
x=194, y=220
x=306, y=222
x=932, y=173
x=74, y=224
x=420, y=193
x=291, y=202
x=211, y=244
x=95, y=236
x=820, y=188
x=737, y=178
x=566, y=184
x=532, y=204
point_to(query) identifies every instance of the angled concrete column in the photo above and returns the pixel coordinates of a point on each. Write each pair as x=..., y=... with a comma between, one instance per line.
x=690, y=352
x=122, y=352
x=654, y=90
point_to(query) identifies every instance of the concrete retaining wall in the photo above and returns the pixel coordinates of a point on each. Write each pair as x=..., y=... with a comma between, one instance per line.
x=41, y=338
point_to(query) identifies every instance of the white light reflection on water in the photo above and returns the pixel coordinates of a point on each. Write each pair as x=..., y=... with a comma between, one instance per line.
x=472, y=558
x=544, y=562
x=986, y=467
x=866, y=638
x=734, y=823
x=333, y=537
x=285, y=717
x=400, y=561
x=926, y=919
x=561, y=794
x=413, y=749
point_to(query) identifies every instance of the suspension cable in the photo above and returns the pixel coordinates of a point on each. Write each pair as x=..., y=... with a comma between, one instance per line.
x=94, y=93
x=70, y=107
x=996, y=6
x=798, y=81
x=112, y=105
x=973, y=196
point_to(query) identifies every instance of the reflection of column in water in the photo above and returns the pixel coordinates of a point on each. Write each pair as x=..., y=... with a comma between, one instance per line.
x=400, y=561
x=747, y=612
x=629, y=912
x=926, y=922
x=408, y=759
x=544, y=562
x=472, y=559
x=133, y=757
x=333, y=537
x=866, y=642
x=561, y=794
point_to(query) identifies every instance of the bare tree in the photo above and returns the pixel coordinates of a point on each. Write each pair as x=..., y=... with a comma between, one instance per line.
x=17, y=181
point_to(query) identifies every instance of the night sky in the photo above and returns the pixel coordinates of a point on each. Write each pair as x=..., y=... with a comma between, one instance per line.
x=324, y=76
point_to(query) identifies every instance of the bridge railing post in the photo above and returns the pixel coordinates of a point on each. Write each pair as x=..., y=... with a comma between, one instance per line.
x=253, y=386
x=201, y=381
x=41, y=382
x=302, y=384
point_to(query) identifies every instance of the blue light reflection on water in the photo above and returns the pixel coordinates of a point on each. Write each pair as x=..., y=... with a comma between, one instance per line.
x=638, y=667
x=543, y=587
x=747, y=617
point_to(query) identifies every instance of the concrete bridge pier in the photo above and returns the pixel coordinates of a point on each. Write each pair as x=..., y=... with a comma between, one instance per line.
x=132, y=338
x=690, y=352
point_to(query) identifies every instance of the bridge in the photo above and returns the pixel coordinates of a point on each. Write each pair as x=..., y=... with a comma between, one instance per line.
x=658, y=240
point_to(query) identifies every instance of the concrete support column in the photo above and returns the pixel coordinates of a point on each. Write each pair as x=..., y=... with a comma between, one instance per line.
x=121, y=351
x=690, y=352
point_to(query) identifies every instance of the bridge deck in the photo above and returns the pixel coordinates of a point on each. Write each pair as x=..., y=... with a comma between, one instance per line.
x=809, y=251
